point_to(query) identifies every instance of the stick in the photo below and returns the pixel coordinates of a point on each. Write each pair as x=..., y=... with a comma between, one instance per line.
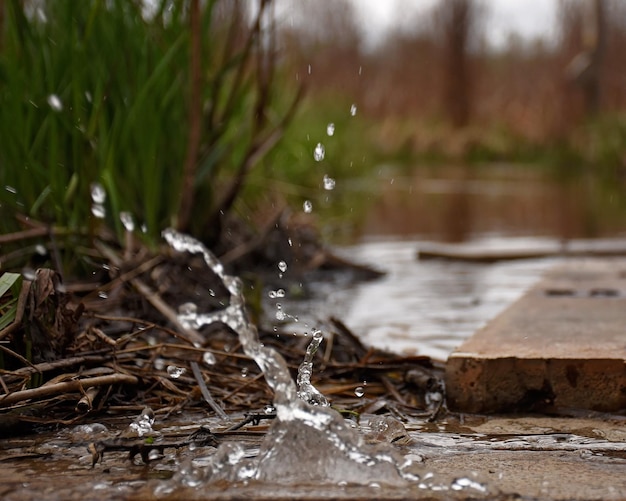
x=193, y=336
x=205, y=392
x=66, y=386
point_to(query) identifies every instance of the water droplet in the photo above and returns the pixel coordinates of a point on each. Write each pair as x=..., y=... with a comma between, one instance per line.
x=353, y=110
x=159, y=364
x=88, y=96
x=269, y=409
x=280, y=314
x=282, y=266
x=319, y=152
x=211, y=293
x=98, y=195
x=98, y=211
x=55, y=102
x=359, y=391
x=330, y=129
x=127, y=220
x=307, y=206
x=329, y=182
x=280, y=293
x=208, y=358
x=175, y=372
x=244, y=372
x=10, y=189
x=272, y=294
x=41, y=250
x=462, y=483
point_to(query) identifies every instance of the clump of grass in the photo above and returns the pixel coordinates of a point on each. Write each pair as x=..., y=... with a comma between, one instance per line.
x=168, y=109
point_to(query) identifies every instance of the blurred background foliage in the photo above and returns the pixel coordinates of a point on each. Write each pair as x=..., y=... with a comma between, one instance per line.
x=190, y=113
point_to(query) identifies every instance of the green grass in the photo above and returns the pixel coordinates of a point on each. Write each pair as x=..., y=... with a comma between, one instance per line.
x=96, y=91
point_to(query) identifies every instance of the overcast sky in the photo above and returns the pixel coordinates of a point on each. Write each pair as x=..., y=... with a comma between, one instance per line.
x=529, y=18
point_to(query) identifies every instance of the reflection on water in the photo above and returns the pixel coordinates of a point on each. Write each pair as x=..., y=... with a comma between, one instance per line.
x=455, y=204
x=430, y=307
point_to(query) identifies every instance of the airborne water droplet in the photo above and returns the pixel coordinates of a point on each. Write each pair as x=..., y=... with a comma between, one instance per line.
x=282, y=266
x=330, y=129
x=98, y=195
x=319, y=152
x=353, y=110
x=280, y=314
x=127, y=220
x=98, y=211
x=208, y=358
x=359, y=391
x=55, y=102
x=329, y=182
x=175, y=372
x=307, y=206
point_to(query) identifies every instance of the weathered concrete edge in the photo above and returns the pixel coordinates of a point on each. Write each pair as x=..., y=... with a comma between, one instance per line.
x=511, y=384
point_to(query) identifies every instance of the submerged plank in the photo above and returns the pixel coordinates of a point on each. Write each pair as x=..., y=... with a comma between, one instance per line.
x=563, y=344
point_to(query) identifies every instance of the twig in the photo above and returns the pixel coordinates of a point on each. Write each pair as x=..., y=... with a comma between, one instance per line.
x=66, y=386
x=205, y=391
x=85, y=404
x=192, y=336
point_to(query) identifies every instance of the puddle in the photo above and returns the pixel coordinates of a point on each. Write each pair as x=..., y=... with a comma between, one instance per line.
x=419, y=307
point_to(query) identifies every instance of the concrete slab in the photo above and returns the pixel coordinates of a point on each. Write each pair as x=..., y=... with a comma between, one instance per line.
x=563, y=344
x=489, y=252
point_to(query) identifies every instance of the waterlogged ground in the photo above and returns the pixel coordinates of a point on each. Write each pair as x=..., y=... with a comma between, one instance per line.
x=457, y=458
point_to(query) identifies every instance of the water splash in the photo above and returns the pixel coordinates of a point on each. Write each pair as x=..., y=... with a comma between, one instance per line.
x=330, y=129
x=307, y=206
x=306, y=443
x=306, y=390
x=142, y=425
x=235, y=316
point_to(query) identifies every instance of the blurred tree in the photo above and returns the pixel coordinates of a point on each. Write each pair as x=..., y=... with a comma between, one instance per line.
x=585, y=68
x=457, y=20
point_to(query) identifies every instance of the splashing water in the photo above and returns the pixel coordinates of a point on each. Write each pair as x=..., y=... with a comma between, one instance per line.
x=330, y=129
x=306, y=390
x=307, y=206
x=306, y=443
